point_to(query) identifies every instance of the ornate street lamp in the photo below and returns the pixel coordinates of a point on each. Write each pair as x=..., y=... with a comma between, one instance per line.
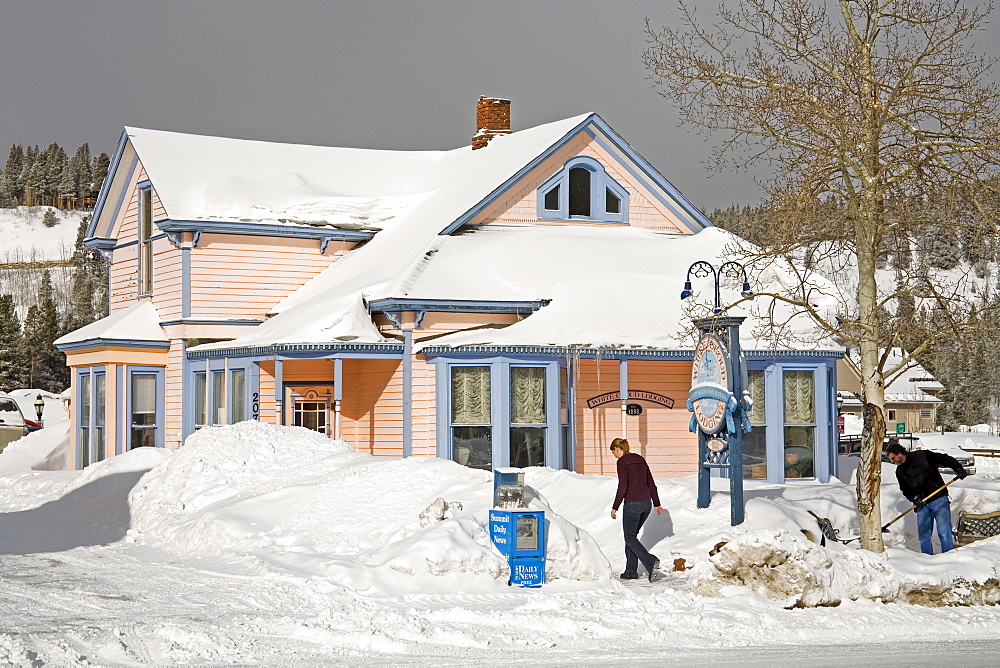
x=719, y=399
x=702, y=269
x=39, y=407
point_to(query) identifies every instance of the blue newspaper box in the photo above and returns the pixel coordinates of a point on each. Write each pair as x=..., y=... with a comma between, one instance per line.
x=518, y=533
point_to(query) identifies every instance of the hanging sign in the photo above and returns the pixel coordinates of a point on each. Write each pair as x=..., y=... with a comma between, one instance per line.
x=710, y=396
x=635, y=395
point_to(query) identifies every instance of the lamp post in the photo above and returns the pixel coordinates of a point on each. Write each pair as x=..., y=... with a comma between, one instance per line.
x=39, y=407
x=719, y=397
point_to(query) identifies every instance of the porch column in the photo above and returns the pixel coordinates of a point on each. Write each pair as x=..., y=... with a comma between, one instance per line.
x=338, y=395
x=407, y=391
x=623, y=391
x=279, y=392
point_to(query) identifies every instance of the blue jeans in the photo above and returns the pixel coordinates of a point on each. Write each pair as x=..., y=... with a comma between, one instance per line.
x=634, y=513
x=936, y=513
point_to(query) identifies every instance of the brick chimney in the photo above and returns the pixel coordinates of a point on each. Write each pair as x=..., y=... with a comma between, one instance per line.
x=492, y=119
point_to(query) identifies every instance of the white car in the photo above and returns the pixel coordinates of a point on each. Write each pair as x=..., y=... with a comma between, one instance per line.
x=12, y=425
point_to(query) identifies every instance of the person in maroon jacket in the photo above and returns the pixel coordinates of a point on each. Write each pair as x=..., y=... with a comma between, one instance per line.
x=637, y=489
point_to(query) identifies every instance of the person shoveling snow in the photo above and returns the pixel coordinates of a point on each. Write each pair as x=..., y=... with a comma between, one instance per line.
x=920, y=481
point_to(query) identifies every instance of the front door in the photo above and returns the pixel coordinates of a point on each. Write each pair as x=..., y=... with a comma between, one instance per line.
x=311, y=410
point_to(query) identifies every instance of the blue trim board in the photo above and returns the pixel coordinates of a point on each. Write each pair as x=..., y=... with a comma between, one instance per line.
x=119, y=404
x=279, y=390
x=654, y=174
x=156, y=237
x=121, y=196
x=118, y=343
x=106, y=187
x=455, y=306
x=407, y=392
x=693, y=223
x=208, y=321
x=306, y=351
x=185, y=283
x=105, y=245
x=622, y=353
x=262, y=229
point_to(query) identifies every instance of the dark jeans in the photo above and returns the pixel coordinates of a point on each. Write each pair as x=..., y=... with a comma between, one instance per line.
x=634, y=513
x=936, y=514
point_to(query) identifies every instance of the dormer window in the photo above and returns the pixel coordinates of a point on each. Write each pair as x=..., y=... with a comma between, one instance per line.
x=583, y=190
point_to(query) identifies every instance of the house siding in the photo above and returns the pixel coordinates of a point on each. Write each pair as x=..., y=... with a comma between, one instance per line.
x=519, y=204
x=245, y=276
x=659, y=434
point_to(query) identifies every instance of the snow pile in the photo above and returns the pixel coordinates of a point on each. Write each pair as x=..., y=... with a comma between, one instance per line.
x=292, y=500
x=790, y=569
x=280, y=502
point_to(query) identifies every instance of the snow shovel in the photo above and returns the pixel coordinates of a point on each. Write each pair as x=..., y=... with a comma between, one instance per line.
x=829, y=532
x=826, y=527
x=885, y=529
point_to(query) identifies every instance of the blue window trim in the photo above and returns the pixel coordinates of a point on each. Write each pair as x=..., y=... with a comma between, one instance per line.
x=600, y=181
x=500, y=407
x=91, y=372
x=157, y=371
x=140, y=190
x=824, y=443
x=219, y=364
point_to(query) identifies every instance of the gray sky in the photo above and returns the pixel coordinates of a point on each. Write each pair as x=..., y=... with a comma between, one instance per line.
x=374, y=74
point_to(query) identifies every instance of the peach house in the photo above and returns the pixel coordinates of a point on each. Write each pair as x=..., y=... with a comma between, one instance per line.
x=509, y=303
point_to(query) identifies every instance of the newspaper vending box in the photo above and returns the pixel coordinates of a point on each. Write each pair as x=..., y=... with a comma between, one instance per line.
x=518, y=533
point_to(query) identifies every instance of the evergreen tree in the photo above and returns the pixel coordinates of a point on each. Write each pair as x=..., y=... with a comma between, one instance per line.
x=37, y=182
x=80, y=166
x=89, y=290
x=23, y=179
x=55, y=166
x=46, y=366
x=99, y=171
x=11, y=187
x=49, y=219
x=13, y=368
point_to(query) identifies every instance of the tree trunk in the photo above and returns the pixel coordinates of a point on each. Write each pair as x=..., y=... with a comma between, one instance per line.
x=870, y=478
x=873, y=395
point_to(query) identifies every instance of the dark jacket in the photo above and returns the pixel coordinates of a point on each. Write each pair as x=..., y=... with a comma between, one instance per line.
x=635, y=481
x=918, y=476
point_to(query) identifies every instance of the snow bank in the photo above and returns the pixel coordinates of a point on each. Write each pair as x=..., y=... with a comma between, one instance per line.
x=285, y=501
x=293, y=500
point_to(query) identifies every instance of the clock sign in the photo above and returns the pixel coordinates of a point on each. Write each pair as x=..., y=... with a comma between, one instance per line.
x=710, y=376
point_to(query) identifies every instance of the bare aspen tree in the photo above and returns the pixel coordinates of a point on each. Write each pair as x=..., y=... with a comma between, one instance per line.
x=872, y=118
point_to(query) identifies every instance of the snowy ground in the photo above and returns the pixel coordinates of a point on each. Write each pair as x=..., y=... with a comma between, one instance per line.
x=25, y=238
x=259, y=544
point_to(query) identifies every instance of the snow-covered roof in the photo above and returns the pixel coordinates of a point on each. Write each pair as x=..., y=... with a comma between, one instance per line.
x=139, y=322
x=613, y=286
x=201, y=178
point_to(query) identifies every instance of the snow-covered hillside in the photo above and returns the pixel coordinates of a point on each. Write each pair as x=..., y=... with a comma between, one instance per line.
x=26, y=239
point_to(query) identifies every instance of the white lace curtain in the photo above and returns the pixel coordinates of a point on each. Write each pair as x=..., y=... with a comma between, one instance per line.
x=527, y=388
x=470, y=395
x=800, y=395
x=756, y=379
